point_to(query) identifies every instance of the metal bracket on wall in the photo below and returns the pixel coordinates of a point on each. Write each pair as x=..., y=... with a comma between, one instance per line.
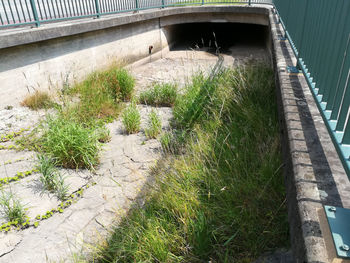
x=339, y=223
x=282, y=38
x=292, y=69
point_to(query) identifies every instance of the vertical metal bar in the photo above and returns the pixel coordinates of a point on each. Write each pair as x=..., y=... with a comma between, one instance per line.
x=346, y=136
x=2, y=22
x=13, y=18
x=53, y=9
x=48, y=7
x=24, y=17
x=7, y=18
x=65, y=8
x=136, y=5
x=80, y=8
x=44, y=8
x=97, y=6
x=39, y=8
x=28, y=12
x=89, y=7
x=35, y=12
x=84, y=7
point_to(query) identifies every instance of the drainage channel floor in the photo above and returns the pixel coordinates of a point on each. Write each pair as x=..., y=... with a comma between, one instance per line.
x=101, y=198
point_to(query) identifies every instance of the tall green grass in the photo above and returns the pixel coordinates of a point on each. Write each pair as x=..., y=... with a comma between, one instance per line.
x=222, y=199
x=72, y=137
x=101, y=93
x=159, y=95
x=70, y=143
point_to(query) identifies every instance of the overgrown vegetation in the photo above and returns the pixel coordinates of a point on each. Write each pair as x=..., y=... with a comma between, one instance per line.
x=131, y=119
x=154, y=125
x=222, y=199
x=38, y=100
x=101, y=93
x=70, y=143
x=11, y=208
x=160, y=95
x=72, y=137
x=51, y=179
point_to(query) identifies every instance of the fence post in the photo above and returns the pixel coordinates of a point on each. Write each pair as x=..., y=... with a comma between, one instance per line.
x=163, y=4
x=249, y=3
x=202, y=2
x=97, y=6
x=137, y=5
x=35, y=13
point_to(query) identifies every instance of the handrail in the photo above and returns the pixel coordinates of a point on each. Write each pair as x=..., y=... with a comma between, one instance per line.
x=35, y=12
x=319, y=32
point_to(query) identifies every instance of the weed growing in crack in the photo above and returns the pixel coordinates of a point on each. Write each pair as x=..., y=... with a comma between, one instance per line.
x=12, y=208
x=131, y=119
x=51, y=179
x=163, y=94
x=154, y=125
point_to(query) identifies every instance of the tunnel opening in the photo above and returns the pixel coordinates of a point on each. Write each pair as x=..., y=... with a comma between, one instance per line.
x=225, y=38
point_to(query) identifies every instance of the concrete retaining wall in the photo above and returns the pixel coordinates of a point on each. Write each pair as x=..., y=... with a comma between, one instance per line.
x=54, y=54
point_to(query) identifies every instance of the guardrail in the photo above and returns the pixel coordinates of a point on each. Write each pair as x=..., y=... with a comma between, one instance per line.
x=319, y=31
x=35, y=12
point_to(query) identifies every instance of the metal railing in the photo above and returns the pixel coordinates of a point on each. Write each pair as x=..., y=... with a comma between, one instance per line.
x=319, y=31
x=35, y=12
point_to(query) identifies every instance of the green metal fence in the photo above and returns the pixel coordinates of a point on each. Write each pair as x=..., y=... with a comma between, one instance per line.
x=319, y=31
x=35, y=12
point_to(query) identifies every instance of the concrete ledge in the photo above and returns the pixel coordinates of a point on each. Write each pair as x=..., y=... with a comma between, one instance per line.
x=16, y=37
x=314, y=174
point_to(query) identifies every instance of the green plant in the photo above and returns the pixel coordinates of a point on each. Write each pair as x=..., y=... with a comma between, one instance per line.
x=51, y=179
x=101, y=93
x=11, y=207
x=125, y=83
x=154, y=125
x=163, y=94
x=131, y=119
x=222, y=199
x=103, y=134
x=70, y=144
x=38, y=100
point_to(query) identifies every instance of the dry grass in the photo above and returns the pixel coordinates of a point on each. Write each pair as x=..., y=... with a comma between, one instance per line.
x=38, y=100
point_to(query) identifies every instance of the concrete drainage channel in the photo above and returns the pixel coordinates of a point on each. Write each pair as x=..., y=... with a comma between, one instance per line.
x=63, y=53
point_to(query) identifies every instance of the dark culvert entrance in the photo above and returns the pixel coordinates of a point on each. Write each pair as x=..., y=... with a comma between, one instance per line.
x=228, y=38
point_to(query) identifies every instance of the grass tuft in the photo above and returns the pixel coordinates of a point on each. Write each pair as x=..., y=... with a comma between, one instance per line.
x=71, y=144
x=222, y=199
x=160, y=95
x=100, y=94
x=38, y=100
x=154, y=126
x=131, y=119
x=11, y=207
x=51, y=179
